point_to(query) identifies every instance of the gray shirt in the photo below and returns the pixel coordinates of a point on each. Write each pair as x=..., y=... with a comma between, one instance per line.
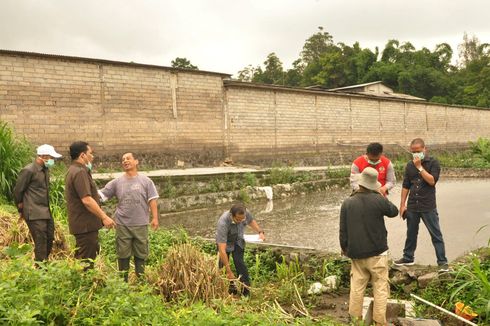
x=133, y=195
x=230, y=232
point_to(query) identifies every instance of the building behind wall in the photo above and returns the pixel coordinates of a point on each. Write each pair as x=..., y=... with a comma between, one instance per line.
x=204, y=117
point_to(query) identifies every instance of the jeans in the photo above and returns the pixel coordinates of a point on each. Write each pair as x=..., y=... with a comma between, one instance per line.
x=240, y=267
x=431, y=221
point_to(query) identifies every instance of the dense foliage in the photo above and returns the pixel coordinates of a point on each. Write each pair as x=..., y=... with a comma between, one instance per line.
x=423, y=73
x=15, y=153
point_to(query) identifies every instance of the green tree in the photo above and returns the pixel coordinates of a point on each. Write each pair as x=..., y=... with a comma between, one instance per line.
x=273, y=72
x=183, y=63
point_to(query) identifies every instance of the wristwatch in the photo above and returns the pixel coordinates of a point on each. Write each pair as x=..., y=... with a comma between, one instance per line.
x=421, y=169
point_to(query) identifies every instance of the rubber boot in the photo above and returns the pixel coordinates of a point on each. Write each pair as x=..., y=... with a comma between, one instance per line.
x=123, y=264
x=139, y=266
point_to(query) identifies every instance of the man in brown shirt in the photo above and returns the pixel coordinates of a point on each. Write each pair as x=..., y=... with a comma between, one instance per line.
x=85, y=217
x=31, y=196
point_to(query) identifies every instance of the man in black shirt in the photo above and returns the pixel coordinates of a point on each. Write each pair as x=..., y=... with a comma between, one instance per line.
x=419, y=185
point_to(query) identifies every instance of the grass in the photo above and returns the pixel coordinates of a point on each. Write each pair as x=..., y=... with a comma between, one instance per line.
x=15, y=153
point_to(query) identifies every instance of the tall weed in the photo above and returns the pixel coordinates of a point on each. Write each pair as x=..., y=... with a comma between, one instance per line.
x=15, y=153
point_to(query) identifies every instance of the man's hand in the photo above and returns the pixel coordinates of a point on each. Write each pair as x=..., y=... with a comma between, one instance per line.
x=417, y=162
x=154, y=224
x=262, y=236
x=402, y=210
x=383, y=191
x=108, y=222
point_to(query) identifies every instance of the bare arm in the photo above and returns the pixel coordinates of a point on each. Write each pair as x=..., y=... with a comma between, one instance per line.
x=95, y=209
x=154, y=214
x=224, y=260
x=424, y=173
x=257, y=229
x=428, y=177
x=403, y=200
x=354, y=173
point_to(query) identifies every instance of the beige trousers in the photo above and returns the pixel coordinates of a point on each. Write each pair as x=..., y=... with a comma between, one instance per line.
x=362, y=271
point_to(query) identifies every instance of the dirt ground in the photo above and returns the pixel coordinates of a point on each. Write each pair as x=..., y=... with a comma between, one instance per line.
x=335, y=305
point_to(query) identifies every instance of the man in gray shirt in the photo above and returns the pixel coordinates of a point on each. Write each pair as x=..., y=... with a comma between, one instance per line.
x=31, y=195
x=230, y=239
x=136, y=195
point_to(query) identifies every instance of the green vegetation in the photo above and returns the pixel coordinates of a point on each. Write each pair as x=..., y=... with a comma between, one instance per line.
x=422, y=73
x=469, y=283
x=15, y=153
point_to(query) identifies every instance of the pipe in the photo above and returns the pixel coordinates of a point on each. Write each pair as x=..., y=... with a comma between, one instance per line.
x=443, y=310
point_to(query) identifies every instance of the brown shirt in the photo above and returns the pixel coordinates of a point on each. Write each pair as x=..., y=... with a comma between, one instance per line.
x=79, y=184
x=32, y=190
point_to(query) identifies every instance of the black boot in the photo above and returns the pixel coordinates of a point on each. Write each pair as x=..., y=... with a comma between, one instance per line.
x=139, y=266
x=123, y=264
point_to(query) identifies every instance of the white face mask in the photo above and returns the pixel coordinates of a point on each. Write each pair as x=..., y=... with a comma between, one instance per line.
x=420, y=155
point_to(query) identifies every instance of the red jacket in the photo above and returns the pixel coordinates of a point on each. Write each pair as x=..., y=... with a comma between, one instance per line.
x=361, y=162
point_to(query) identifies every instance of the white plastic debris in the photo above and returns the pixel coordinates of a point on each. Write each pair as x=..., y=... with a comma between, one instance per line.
x=316, y=288
x=268, y=191
x=331, y=282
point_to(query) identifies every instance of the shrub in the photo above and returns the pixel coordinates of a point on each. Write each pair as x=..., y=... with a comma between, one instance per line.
x=189, y=273
x=15, y=153
x=481, y=148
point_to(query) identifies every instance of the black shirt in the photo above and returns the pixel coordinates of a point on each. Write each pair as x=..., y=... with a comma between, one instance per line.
x=362, y=231
x=422, y=196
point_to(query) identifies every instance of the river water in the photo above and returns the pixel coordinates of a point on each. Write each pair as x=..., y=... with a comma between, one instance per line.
x=313, y=220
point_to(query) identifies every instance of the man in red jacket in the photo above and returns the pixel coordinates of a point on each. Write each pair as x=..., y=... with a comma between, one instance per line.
x=375, y=159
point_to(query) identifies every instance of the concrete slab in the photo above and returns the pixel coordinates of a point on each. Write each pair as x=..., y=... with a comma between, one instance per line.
x=210, y=171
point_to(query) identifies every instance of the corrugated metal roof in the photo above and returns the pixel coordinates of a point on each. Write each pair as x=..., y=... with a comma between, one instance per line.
x=356, y=86
x=104, y=61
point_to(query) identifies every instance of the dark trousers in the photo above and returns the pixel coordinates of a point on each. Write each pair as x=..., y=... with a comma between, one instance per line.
x=431, y=221
x=240, y=267
x=87, y=246
x=42, y=232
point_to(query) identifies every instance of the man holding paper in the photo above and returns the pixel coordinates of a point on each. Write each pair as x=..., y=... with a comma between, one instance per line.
x=230, y=239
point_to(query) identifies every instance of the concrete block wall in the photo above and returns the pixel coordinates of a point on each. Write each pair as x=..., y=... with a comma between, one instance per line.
x=172, y=114
x=316, y=123
x=115, y=107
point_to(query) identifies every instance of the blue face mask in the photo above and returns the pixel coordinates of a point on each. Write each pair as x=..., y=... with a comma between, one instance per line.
x=89, y=166
x=420, y=155
x=49, y=163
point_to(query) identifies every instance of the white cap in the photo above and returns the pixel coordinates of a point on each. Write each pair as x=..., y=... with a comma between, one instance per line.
x=47, y=150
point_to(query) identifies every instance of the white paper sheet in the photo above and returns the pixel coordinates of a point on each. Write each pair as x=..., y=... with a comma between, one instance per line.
x=252, y=238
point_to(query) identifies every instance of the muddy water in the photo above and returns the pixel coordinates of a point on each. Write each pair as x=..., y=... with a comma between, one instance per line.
x=313, y=220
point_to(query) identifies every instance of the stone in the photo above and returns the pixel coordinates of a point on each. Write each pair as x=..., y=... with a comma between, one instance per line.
x=400, y=278
x=425, y=279
x=180, y=164
x=331, y=282
x=417, y=322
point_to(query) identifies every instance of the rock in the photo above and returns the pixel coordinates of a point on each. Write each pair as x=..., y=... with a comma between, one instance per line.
x=331, y=282
x=180, y=164
x=400, y=278
x=417, y=322
x=316, y=288
x=410, y=288
x=424, y=280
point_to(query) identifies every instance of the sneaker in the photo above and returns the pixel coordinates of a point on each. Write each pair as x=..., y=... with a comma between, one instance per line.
x=443, y=268
x=403, y=262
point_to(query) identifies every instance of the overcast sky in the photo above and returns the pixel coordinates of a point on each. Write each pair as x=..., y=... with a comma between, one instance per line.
x=227, y=35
